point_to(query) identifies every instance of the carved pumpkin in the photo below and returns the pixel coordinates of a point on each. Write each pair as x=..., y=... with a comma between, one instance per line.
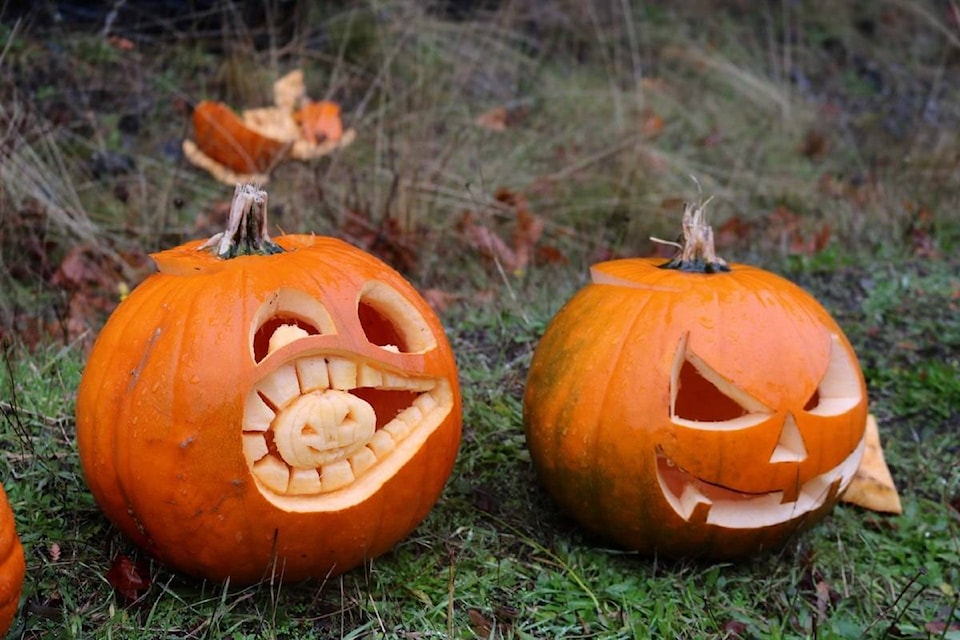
x=293, y=408
x=694, y=408
x=12, y=565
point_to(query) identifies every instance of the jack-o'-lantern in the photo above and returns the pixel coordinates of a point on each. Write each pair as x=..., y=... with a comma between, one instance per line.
x=259, y=406
x=12, y=565
x=692, y=407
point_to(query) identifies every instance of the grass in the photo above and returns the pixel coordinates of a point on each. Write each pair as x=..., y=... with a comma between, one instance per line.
x=842, y=117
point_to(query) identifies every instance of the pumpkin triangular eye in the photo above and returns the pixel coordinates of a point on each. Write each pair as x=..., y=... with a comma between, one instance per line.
x=839, y=390
x=699, y=393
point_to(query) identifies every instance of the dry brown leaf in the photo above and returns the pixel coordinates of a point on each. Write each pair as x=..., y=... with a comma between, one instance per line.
x=872, y=486
x=493, y=119
x=485, y=241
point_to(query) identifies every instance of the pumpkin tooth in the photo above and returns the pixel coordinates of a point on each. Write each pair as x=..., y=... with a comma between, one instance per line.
x=281, y=386
x=381, y=443
x=273, y=473
x=304, y=482
x=284, y=335
x=391, y=381
x=397, y=428
x=367, y=376
x=421, y=384
x=336, y=475
x=254, y=446
x=343, y=374
x=362, y=460
x=312, y=373
x=257, y=414
x=426, y=403
x=411, y=415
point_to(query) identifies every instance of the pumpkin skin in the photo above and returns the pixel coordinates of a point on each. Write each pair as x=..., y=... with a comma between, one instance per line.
x=694, y=414
x=191, y=431
x=12, y=565
x=225, y=137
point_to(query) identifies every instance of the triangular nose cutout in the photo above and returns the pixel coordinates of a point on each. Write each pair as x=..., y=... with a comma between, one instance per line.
x=790, y=446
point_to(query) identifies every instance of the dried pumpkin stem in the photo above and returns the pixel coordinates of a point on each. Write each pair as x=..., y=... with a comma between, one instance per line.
x=246, y=232
x=697, y=253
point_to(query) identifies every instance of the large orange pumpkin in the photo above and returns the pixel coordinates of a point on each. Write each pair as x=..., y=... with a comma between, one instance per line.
x=694, y=408
x=292, y=409
x=12, y=565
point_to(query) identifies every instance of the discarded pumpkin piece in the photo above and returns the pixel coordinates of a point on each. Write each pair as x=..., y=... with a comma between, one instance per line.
x=872, y=486
x=230, y=141
x=246, y=147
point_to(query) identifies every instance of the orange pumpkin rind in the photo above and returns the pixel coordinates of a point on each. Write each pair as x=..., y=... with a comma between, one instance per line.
x=12, y=566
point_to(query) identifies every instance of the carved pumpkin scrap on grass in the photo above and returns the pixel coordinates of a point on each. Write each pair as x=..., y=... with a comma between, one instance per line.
x=247, y=147
x=261, y=406
x=693, y=407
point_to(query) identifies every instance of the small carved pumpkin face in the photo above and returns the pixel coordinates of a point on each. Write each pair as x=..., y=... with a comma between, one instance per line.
x=694, y=414
x=297, y=412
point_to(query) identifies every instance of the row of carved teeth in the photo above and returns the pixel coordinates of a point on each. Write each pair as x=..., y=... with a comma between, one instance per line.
x=729, y=508
x=319, y=373
x=275, y=474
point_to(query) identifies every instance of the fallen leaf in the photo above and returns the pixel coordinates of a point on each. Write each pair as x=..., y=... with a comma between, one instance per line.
x=651, y=124
x=486, y=242
x=872, y=486
x=493, y=119
x=734, y=629
x=127, y=578
x=481, y=626
x=815, y=145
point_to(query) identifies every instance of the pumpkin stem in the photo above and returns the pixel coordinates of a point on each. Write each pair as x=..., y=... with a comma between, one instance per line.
x=246, y=233
x=697, y=253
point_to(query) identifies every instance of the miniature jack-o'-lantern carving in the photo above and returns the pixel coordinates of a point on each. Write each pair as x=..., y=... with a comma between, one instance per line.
x=12, y=565
x=694, y=408
x=258, y=406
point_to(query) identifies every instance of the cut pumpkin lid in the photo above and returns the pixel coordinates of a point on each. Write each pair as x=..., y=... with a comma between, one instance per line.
x=245, y=148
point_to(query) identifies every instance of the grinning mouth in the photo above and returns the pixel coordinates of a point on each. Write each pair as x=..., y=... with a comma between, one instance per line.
x=320, y=423
x=696, y=500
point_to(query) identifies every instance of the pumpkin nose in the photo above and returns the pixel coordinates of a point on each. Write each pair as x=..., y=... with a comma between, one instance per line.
x=790, y=447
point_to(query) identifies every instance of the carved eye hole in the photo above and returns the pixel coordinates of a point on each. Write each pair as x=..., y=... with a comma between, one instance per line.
x=700, y=400
x=839, y=389
x=286, y=316
x=390, y=321
x=703, y=398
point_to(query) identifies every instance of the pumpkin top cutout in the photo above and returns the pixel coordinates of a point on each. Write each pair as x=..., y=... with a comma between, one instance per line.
x=694, y=407
x=245, y=148
x=262, y=401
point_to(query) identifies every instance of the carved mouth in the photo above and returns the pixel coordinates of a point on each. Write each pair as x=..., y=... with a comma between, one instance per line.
x=698, y=501
x=323, y=423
